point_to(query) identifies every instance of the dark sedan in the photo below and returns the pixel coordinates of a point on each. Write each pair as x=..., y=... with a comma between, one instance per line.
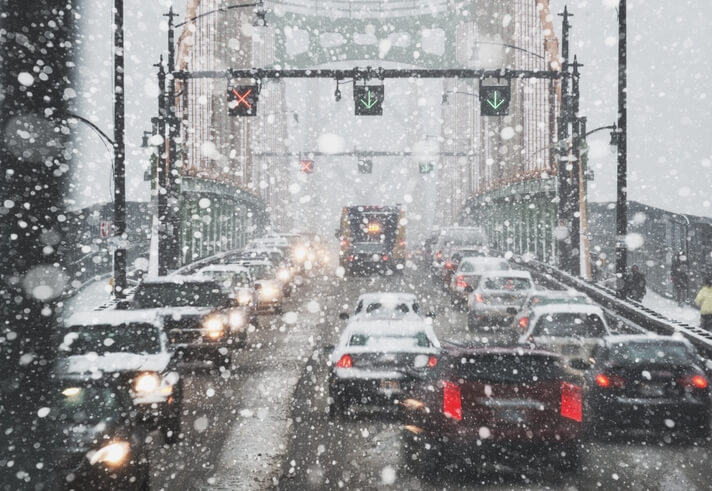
x=646, y=383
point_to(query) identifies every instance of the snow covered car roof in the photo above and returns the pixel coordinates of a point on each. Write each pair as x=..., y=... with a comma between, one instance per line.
x=510, y=273
x=482, y=260
x=395, y=328
x=230, y=267
x=177, y=279
x=114, y=318
x=645, y=338
x=387, y=297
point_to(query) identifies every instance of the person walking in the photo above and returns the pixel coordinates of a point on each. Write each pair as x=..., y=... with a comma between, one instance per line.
x=635, y=284
x=680, y=278
x=703, y=300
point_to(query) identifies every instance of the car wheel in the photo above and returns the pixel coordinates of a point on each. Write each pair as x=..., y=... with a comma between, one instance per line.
x=337, y=409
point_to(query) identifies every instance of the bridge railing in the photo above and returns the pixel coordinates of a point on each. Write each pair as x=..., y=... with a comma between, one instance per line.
x=361, y=8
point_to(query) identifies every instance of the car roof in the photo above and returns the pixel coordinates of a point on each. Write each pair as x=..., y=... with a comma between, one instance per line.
x=482, y=259
x=510, y=273
x=230, y=267
x=254, y=262
x=114, y=318
x=644, y=338
x=176, y=280
x=480, y=350
x=403, y=327
x=558, y=293
x=388, y=297
x=567, y=308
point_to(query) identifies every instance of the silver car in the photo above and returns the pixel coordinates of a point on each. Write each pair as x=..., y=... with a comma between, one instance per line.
x=497, y=298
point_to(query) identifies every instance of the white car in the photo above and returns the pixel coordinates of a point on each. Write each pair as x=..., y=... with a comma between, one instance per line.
x=386, y=305
x=469, y=271
x=235, y=279
x=572, y=330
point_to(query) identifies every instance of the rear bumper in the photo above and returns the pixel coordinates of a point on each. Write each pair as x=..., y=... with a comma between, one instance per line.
x=493, y=314
x=652, y=415
x=380, y=391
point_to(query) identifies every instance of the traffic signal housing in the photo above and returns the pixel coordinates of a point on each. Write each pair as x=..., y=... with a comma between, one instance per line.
x=242, y=100
x=368, y=100
x=494, y=100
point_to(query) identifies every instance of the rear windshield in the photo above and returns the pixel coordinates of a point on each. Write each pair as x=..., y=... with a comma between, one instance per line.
x=462, y=237
x=570, y=324
x=635, y=353
x=134, y=338
x=552, y=300
x=473, y=267
x=507, y=367
x=149, y=296
x=503, y=283
x=383, y=342
x=261, y=271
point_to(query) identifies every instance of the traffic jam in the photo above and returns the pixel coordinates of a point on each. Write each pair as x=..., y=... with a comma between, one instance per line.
x=478, y=362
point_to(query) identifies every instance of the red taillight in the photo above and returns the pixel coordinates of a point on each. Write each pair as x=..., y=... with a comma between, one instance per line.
x=345, y=362
x=344, y=243
x=385, y=258
x=449, y=265
x=571, y=406
x=439, y=255
x=452, y=401
x=479, y=298
x=694, y=382
x=351, y=257
x=605, y=381
x=523, y=323
x=460, y=282
x=432, y=361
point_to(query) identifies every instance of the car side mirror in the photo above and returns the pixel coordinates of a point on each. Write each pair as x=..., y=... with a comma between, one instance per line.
x=327, y=349
x=512, y=311
x=343, y=316
x=579, y=364
x=469, y=289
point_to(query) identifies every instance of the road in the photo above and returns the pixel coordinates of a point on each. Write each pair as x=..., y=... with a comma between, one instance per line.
x=264, y=424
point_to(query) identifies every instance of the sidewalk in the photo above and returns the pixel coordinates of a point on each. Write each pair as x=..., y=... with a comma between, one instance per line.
x=670, y=309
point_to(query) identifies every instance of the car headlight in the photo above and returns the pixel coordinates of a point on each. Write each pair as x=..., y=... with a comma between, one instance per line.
x=283, y=275
x=300, y=253
x=113, y=454
x=244, y=298
x=237, y=320
x=146, y=383
x=213, y=327
x=269, y=291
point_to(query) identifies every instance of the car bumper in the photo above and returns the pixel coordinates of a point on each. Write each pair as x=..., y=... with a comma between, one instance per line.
x=380, y=391
x=650, y=415
x=493, y=314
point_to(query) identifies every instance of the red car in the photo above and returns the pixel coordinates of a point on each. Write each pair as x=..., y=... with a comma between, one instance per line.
x=482, y=407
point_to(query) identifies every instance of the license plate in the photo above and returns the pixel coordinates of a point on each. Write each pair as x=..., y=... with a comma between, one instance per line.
x=651, y=390
x=390, y=385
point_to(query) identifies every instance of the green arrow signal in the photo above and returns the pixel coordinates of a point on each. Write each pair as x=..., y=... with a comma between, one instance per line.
x=371, y=102
x=494, y=104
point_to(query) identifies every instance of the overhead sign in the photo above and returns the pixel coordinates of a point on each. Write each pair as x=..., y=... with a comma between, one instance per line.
x=306, y=166
x=368, y=100
x=494, y=100
x=242, y=100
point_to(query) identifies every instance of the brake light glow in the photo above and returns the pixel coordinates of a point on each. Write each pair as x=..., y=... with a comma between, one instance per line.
x=385, y=258
x=374, y=228
x=571, y=406
x=694, y=382
x=439, y=255
x=452, y=401
x=479, y=298
x=523, y=323
x=432, y=361
x=449, y=265
x=460, y=282
x=345, y=362
x=609, y=381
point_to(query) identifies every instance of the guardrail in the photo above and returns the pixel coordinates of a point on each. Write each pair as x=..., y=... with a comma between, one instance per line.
x=630, y=310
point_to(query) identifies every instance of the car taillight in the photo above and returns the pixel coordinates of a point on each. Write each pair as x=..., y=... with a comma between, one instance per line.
x=449, y=265
x=479, y=298
x=460, y=282
x=609, y=381
x=385, y=258
x=439, y=255
x=351, y=257
x=432, y=361
x=524, y=323
x=344, y=243
x=345, y=362
x=452, y=401
x=571, y=406
x=694, y=382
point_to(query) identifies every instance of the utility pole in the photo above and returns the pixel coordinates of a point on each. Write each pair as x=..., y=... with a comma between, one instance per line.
x=574, y=189
x=161, y=174
x=119, y=154
x=171, y=216
x=622, y=168
x=565, y=245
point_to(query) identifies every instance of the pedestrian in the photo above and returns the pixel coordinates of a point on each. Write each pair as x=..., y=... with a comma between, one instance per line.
x=703, y=300
x=635, y=284
x=680, y=278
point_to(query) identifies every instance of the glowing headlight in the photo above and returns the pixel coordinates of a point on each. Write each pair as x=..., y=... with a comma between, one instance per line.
x=146, y=383
x=283, y=275
x=300, y=253
x=114, y=454
x=71, y=391
x=213, y=327
x=236, y=320
x=268, y=291
x=244, y=298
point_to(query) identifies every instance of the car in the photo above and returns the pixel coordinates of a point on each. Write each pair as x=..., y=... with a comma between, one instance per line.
x=386, y=305
x=468, y=273
x=238, y=282
x=270, y=289
x=548, y=297
x=504, y=405
x=201, y=319
x=649, y=383
x=497, y=298
x=367, y=365
x=95, y=443
x=129, y=348
x=570, y=329
x=450, y=237
x=454, y=257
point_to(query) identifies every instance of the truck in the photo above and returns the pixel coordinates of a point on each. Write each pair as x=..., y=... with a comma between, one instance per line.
x=372, y=239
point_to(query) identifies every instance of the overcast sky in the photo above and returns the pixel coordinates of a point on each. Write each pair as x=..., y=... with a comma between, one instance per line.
x=670, y=111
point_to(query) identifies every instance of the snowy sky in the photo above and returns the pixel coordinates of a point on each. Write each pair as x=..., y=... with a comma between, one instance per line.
x=670, y=112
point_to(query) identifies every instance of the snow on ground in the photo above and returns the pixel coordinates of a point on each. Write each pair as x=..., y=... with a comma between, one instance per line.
x=670, y=309
x=89, y=297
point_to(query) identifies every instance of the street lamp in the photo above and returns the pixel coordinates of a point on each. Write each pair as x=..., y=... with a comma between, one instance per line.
x=622, y=165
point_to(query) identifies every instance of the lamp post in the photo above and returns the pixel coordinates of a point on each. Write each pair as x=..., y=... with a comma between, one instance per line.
x=622, y=167
x=119, y=154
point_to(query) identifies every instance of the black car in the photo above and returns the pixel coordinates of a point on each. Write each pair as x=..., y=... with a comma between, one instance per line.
x=95, y=443
x=201, y=319
x=648, y=383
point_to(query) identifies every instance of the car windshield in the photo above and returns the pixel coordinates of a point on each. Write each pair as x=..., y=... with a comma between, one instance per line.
x=505, y=283
x=156, y=295
x=385, y=341
x=650, y=352
x=570, y=325
x=83, y=404
x=102, y=340
x=261, y=271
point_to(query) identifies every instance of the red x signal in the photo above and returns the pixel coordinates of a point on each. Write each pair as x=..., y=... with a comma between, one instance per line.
x=242, y=98
x=307, y=166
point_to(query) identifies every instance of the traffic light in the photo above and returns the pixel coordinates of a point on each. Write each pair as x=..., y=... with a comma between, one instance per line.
x=242, y=100
x=365, y=166
x=368, y=100
x=494, y=100
x=306, y=166
x=425, y=167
